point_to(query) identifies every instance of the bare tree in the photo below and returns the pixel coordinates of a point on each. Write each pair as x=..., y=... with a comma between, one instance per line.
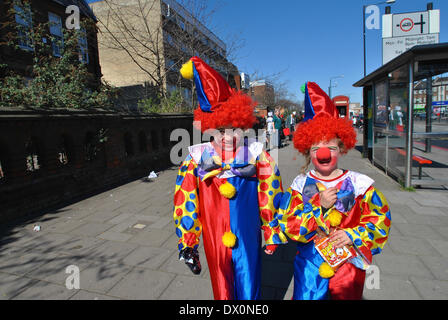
x=134, y=28
x=160, y=35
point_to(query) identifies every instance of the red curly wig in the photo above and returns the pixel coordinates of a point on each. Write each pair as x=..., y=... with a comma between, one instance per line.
x=237, y=112
x=324, y=128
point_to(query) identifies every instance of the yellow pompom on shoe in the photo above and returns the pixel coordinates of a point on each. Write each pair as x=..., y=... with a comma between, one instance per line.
x=187, y=70
x=325, y=271
x=335, y=218
x=227, y=190
x=229, y=239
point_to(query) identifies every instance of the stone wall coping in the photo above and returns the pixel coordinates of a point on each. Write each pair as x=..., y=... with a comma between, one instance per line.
x=55, y=113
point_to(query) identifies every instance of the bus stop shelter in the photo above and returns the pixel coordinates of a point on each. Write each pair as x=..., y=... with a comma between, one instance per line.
x=405, y=105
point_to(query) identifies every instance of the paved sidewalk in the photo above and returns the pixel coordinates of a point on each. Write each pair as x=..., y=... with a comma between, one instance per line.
x=123, y=243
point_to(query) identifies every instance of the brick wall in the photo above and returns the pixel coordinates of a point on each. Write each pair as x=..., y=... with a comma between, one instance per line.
x=50, y=159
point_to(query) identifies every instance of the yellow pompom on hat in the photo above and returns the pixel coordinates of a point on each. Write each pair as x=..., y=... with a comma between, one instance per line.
x=229, y=239
x=220, y=105
x=187, y=70
x=325, y=271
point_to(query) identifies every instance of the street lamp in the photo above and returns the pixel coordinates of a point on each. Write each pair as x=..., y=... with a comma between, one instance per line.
x=364, y=26
x=329, y=88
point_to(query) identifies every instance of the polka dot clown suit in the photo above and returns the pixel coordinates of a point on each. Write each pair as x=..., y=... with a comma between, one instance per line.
x=360, y=210
x=231, y=203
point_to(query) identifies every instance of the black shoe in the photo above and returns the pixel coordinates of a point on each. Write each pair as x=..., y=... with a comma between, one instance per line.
x=191, y=258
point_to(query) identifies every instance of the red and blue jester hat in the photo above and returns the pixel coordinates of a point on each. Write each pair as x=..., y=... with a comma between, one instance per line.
x=321, y=122
x=219, y=104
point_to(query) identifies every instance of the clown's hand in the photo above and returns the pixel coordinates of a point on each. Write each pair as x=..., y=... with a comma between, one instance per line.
x=328, y=197
x=270, y=248
x=191, y=258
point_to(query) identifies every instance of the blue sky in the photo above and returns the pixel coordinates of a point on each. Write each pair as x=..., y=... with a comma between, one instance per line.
x=309, y=40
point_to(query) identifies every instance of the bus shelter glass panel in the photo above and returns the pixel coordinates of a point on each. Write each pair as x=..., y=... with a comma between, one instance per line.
x=430, y=143
x=368, y=119
x=397, y=124
x=380, y=120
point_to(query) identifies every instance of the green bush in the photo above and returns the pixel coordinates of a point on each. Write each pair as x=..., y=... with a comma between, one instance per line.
x=173, y=103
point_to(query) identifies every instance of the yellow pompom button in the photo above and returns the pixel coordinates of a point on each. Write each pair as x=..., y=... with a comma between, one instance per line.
x=335, y=218
x=325, y=271
x=229, y=239
x=227, y=190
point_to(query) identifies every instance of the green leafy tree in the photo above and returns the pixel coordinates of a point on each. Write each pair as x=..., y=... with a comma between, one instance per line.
x=54, y=82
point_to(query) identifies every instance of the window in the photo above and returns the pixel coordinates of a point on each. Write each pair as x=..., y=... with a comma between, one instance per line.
x=83, y=46
x=170, y=65
x=186, y=94
x=169, y=39
x=181, y=23
x=171, y=88
x=57, y=41
x=184, y=48
x=24, y=25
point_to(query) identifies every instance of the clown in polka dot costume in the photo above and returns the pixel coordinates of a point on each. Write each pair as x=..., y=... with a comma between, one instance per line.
x=227, y=192
x=342, y=205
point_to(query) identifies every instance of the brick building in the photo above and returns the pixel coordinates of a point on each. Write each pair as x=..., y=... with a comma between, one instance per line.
x=263, y=92
x=18, y=19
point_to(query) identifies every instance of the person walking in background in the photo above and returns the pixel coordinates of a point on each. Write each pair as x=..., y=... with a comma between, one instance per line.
x=270, y=130
x=277, y=127
x=291, y=123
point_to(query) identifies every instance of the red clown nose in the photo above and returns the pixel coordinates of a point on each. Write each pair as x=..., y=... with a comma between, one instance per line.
x=323, y=154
